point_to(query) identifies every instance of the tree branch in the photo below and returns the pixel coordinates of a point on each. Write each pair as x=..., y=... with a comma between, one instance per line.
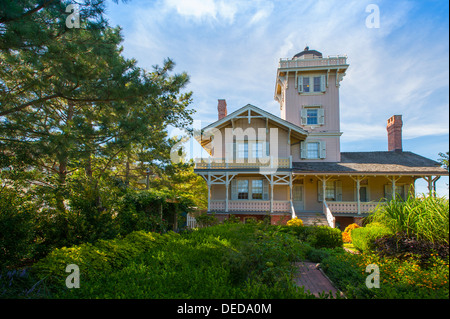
x=30, y=12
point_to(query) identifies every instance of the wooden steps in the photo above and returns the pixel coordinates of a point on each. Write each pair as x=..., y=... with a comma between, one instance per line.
x=312, y=218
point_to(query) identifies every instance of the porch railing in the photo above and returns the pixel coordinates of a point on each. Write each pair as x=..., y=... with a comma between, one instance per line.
x=352, y=207
x=250, y=205
x=221, y=163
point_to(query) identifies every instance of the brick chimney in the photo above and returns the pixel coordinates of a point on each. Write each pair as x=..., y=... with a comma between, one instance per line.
x=394, y=129
x=222, y=108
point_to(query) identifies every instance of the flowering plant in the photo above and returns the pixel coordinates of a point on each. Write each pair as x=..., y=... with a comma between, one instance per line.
x=295, y=222
x=346, y=237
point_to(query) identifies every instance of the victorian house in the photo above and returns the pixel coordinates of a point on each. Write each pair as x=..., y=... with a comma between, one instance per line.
x=292, y=166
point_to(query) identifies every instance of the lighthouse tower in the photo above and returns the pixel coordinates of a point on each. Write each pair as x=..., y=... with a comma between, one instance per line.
x=307, y=89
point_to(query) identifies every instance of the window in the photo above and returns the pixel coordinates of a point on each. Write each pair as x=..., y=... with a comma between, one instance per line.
x=312, y=84
x=306, y=84
x=317, y=87
x=257, y=150
x=257, y=189
x=333, y=191
x=242, y=189
x=312, y=150
x=243, y=150
x=312, y=116
x=400, y=191
x=330, y=193
x=252, y=189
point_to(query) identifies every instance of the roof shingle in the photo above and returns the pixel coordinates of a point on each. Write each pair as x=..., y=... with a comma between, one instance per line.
x=374, y=162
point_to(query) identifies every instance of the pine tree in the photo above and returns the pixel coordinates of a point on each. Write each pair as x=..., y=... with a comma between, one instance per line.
x=71, y=103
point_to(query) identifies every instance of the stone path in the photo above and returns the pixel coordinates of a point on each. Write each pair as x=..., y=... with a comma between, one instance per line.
x=312, y=279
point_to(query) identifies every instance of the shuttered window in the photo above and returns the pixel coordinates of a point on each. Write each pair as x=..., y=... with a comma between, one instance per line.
x=313, y=150
x=312, y=84
x=312, y=115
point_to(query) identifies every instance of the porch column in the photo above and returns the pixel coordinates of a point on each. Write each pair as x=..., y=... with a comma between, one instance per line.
x=227, y=182
x=434, y=185
x=271, y=193
x=208, y=182
x=358, y=195
x=324, y=188
x=290, y=188
x=394, y=195
x=393, y=179
x=431, y=184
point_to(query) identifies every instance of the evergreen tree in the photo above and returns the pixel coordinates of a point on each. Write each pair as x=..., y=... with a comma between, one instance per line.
x=71, y=102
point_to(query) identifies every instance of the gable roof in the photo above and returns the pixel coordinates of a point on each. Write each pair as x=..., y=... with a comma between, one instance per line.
x=375, y=163
x=270, y=116
x=249, y=108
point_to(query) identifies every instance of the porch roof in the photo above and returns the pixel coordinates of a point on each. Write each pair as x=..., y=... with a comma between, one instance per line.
x=372, y=163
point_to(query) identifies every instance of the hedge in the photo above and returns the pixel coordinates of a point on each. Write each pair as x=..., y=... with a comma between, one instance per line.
x=317, y=236
x=363, y=238
x=102, y=256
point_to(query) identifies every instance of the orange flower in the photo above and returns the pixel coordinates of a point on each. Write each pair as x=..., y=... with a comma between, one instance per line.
x=346, y=237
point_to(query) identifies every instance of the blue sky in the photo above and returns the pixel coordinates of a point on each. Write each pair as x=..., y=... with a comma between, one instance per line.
x=231, y=48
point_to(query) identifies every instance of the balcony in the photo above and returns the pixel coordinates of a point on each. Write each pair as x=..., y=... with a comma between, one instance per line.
x=250, y=206
x=221, y=163
x=331, y=61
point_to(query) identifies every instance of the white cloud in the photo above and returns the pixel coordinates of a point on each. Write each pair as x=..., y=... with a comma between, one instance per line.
x=230, y=50
x=261, y=14
x=199, y=9
x=196, y=8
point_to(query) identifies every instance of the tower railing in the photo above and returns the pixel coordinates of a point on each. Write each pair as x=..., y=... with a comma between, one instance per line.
x=329, y=61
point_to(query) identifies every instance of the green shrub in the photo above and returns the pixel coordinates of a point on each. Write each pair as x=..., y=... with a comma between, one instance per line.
x=363, y=238
x=17, y=227
x=223, y=261
x=143, y=210
x=316, y=236
x=102, y=256
x=205, y=220
x=399, y=278
x=317, y=255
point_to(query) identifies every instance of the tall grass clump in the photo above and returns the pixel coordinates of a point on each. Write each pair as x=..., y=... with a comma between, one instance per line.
x=425, y=218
